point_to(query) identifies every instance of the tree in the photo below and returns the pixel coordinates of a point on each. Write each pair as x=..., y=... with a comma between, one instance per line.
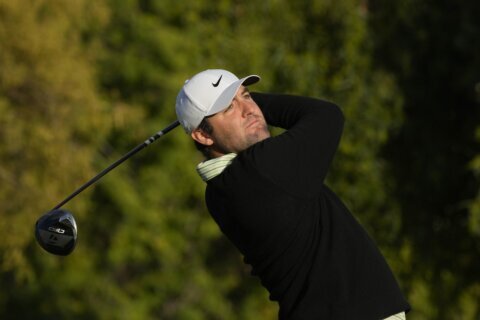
x=432, y=48
x=50, y=114
x=89, y=83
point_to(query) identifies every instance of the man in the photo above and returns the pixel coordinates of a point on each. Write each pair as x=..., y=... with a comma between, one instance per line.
x=268, y=196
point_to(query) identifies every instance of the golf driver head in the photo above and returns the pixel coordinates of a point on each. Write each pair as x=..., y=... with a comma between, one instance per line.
x=56, y=232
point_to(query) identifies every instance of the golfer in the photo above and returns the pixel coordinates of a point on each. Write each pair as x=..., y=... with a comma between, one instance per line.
x=268, y=196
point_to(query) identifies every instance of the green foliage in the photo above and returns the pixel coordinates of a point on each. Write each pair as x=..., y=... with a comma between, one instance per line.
x=81, y=83
x=432, y=48
x=50, y=115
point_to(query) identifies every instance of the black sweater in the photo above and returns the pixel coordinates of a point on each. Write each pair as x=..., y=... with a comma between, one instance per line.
x=301, y=241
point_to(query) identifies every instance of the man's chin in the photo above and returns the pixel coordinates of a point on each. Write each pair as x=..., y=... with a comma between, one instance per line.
x=258, y=136
x=263, y=132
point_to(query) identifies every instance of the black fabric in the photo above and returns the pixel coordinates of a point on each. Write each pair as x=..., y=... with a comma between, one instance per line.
x=309, y=252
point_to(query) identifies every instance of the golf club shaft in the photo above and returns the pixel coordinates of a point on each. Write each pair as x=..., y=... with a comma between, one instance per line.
x=147, y=142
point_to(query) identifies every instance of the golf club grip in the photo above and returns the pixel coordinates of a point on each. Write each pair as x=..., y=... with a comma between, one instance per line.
x=118, y=162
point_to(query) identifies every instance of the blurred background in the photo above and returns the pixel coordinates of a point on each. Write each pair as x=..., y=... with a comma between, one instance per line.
x=82, y=82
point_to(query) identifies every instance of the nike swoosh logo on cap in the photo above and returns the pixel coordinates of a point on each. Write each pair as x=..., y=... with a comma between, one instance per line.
x=218, y=82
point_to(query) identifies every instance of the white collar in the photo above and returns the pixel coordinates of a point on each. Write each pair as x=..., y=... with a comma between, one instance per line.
x=209, y=169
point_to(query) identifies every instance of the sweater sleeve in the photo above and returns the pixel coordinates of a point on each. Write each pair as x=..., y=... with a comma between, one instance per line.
x=298, y=159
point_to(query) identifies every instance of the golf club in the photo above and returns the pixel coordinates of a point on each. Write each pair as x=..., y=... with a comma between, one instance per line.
x=56, y=231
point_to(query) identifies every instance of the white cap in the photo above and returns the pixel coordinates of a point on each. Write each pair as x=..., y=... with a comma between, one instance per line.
x=207, y=93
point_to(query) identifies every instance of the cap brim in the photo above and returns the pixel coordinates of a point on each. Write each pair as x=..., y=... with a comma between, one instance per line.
x=229, y=93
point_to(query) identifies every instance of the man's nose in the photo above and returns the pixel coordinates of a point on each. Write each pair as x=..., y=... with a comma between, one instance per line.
x=248, y=108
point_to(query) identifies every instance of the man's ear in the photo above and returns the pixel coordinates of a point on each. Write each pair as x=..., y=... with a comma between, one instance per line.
x=202, y=137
